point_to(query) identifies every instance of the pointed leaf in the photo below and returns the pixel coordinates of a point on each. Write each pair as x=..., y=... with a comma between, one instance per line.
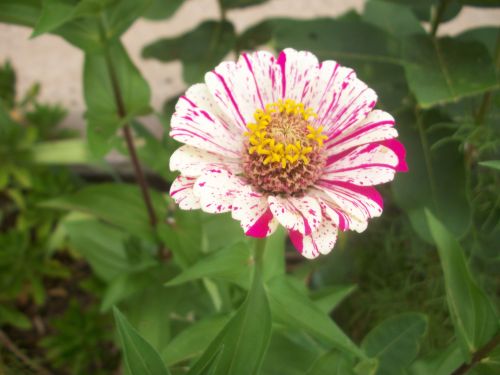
x=140, y=357
x=395, y=342
x=332, y=363
x=473, y=315
x=494, y=164
x=293, y=308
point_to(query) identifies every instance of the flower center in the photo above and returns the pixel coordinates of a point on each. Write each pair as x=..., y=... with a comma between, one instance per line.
x=283, y=149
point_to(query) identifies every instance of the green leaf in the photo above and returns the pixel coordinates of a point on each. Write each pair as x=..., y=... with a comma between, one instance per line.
x=481, y=3
x=473, y=316
x=140, y=357
x=440, y=70
x=22, y=12
x=102, y=246
x=274, y=254
x=494, y=164
x=431, y=173
x=193, y=340
x=230, y=264
x=442, y=362
x=118, y=204
x=396, y=19
x=68, y=151
x=328, y=298
x=13, y=317
x=54, y=14
x=161, y=9
x=244, y=339
x=120, y=15
x=485, y=35
x=395, y=342
x=199, y=50
x=230, y=4
x=290, y=352
x=426, y=9
x=104, y=116
x=332, y=363
x=293, y=308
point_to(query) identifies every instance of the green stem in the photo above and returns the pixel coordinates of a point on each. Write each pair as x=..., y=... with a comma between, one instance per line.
x=222, y=11
x=260, y=247
x=443, y=4
x=478, y=356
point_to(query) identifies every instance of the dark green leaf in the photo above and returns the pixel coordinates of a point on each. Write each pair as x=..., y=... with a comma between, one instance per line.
x=395, y=342
x=293, y=308
x=229, y=4
x=199, y=50
x=473, y=316
x=328, y=298
x=486, y=35
x=120, y=15
x=140, y=357
x=426, y=9
x=104, y=115
x=161, y=9
x=54, y=14
x=118, y=204
x=440, y=70
x=244, y=339
x=481, y=3
x=431, y=173
x=7, y=84
x=194, y=339
x=13, y=317
x=396, y=19
x=442, y=362
x=22, y=12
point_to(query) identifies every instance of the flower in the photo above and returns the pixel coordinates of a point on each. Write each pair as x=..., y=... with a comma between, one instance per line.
x=288, y=141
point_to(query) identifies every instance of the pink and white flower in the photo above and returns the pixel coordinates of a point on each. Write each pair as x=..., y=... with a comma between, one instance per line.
x=288, y=141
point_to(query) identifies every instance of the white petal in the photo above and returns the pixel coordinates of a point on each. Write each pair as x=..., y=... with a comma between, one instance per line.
x=181, y=191
x=377, y=126
x=319, y=242
x=302, y=214
x=298, y=69
x=192, y=161
x=217, y=189
x=197, y=126
x=252, y=210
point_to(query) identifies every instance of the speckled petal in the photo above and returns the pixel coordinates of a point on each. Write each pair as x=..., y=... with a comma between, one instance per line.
x=196, y=126
x=301, y=214
x=240, y=88
x=298, y=69
x=319, y=242
x=192, y=161
x=252, y=211
x=181, y=191
x=377, y=126
x=366, y=165
x=217, y=189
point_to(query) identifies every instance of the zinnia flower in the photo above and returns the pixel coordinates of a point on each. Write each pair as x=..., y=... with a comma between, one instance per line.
x=288, y=141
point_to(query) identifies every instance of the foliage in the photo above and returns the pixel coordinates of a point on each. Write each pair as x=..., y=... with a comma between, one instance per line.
x=417, y=293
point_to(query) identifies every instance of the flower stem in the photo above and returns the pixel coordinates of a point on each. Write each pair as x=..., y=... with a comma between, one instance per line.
x=260, y=247
x=478, y=356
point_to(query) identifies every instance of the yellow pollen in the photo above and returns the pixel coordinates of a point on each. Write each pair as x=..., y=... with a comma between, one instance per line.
x=262, y=142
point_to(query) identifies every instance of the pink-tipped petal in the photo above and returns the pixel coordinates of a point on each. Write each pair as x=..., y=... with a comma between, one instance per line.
x=377, y=126
x=302, y=214
x=217, y=189
x=192, y=161
x=182, y=193
x=359, y=203
x=319, y=242
x=366, y=165
x=196, y=126
x=255, y=217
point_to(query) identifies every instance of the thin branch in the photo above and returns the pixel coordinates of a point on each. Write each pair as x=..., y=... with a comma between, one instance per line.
x=122, y=113
x=9, y=345
x=438, y=17
x=478, y=356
